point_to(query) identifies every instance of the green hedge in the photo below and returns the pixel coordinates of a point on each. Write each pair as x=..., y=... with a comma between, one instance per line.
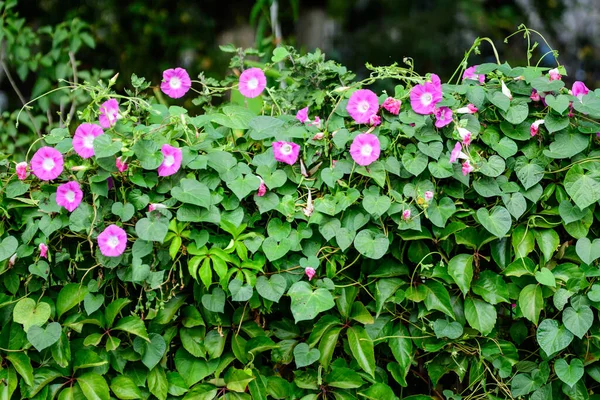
x=432, y=279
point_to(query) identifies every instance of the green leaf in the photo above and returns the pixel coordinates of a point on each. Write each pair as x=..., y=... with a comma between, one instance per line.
x=545, y=277
x=371, y=244
x=553, y=337
x=153, y=351
x=480, y=315
x=93, y=386
x=279, y=54
x=69, y=296
x=362, y=349
x=243, y=186
x=305, y=356
x=123, y=211
x=190, y=191
x=201, y=392
x=499, y=100
x=578, y=321
x=569, y=373
x=28, y=313
x=343, y=378
x=113, y=309
x=92, y=302
x=491, y=287
x=132, y=324
x=531, y=302
x=497, y=222
x=415, y=162
x=529, y=172
x=460, y=268
x=515, y=203
x=192, y=369
x=328, y=344
x=8, y=247
x=214, y=302
x=16, y=189
x=240, y=291
x=450, y=329
x=154, y=228
x=104, y=146
x=570, y=213
x=439, y=212
x=548, y=241
x=567, y=144
x=401, y=345
x=554, y=123
x=274, y=249
x=22, y=365
x=437, y=298
x=148, y=152
x=587, y=250
x=158, y=383
x=559, y=103
x=237, y=380
x=306, y=303
x=583, y=188
x=376, y=205
x=271, y=288
x=517, y=112
x=124, y=388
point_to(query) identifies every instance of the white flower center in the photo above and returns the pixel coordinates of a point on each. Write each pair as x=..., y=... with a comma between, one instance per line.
x=88, y=141
x=252, y=83
x=175, y=83
x=112, y=116
x=426, y=99
x=48, y=164
x=363, y=106
x=366, y=150
x=70, y=196
x=169, y=160
x=113, y=241
x=286, y=149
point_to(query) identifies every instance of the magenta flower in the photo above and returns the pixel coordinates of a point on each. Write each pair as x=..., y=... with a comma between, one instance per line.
x=406, y=215
x=535, y=96
x=310, y=272
x=470, y=74
x=21, y=170
x=83, y=140
x=156, y=206
x=121, y=166
x=428, y=195
x=286, y=152
x=43, y=250
x=467, y=168
x=47, y=163
x=457, y=153
x=535, y=127
x=375, y=120
x=362, y=105
x=69, y=195
x=554, y=74
x=171, y=160
x=262, y=189
x=579, y=89
x=302, y=115
x=365, y=149
x=465, y=136
x=252, y=82
x=112, y=241
x=443, y=116
x=109, y=111
x=468, y=109
x=176, y=82
x=392, y=105
x=317, y=122
x=424, y=97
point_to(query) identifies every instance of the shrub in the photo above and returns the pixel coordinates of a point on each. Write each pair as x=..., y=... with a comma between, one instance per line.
x=259, y=250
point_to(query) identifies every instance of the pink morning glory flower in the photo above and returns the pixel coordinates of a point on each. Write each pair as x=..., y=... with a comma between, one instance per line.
x=112, y=241
x=443, y=116
x=465, y=136
x=109, y=112
x=535, y=127
x=428, y=195
x=318, y=136
x=365, y=149
x=47, y=163
x=392, y=105
x=176, y=82
x=406, y=215
x=121, y=166
x=43, y=250
x=535, y=96
x=252, y=82
x=302, y=115
x=467, y=168
x=156, y=206
x=424, y=97
x=83, y=140
x=171, y=160
x=310, y=272
x=286, y=152
x=362, y=105
x=317, y=122
x=470, y=74
x=579, y=89
x=554, y=74
x=69, y=195
x=375, y=120
x=506, y=90
x=469, y=109
x=262, y=189
x=12, y=260
x=21, y=170
x=457, y=153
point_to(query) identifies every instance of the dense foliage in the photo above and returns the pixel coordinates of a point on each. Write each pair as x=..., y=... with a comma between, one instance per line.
x=257, y=251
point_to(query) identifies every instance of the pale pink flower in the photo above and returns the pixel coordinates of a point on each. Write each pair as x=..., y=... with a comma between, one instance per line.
x=465, y=136
x=43, y=250
x=365, y=149
x=428, y=195
x=21, y=170
x=457, y=153
x=252, y=82
x=69, y=195
x=112, y=241
x=308, y=210
x=579, y=90
x=467, y=168
x=318, y=136
x=424, y=97
x=121, y=165
x=362, y=105
x=79, y=168
x=83, y=140
x=317, y=122
x=375, y=120
x=171, y=160
x=535, y=127
x=156, y=206
x=47, y=163
x=506, y=91
x=262, y=189
x=443, y=116
x=109, y=112
x=12, y=260
x=302, y=115
x=310, y=272
x=392, y=105
x=286, y=152
x=554, y=74
x=470, y=74
x=535, y=96
x=468, y=109
x=176, y=82
x=406, y=215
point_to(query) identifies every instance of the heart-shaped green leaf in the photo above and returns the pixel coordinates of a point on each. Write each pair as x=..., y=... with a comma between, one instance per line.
x=344, y=238
x=239, y=290
x=570, y=213
x=371, y=244
x=569, y=373
x=8, y=247
x=433, y=150
x=553, y=337
x=41, y=268
x=92, y=302
x=153, y=228
x=104, y=146
x=594, y=294
x=587, y=250
x=253, y=243
x=376, y=205
x=243, y=186
x=190, y=191
x=274, y=249
x=42, y=338
x=460, y=268
x=152, y=351
x=545, y=277
x=123, y=211
x=28, y=313
x=306, y=303
x=450, y=329
x=304, y=355
x=331, y=176
x=497, y=221
x=271, y=288
x=439, y=212
x=214, y=302
x=559, y=103
x=578, y=321
x=275, y=179
x=415, y=163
